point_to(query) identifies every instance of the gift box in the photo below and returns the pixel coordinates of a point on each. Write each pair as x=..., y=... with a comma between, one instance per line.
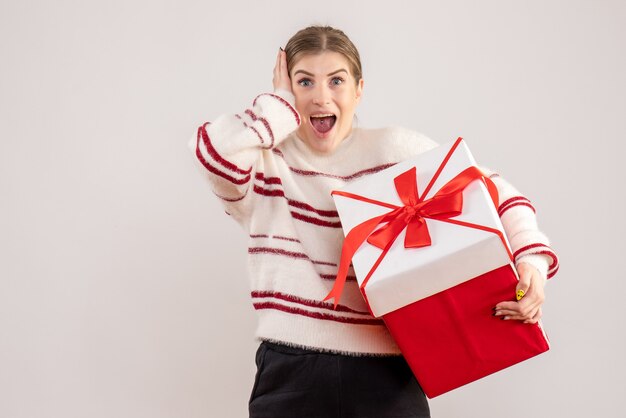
x=431, y=258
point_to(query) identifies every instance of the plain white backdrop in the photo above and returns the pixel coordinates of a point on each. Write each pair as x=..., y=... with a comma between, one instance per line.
x=123, y=287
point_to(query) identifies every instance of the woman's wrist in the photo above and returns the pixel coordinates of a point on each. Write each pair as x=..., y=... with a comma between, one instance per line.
x=538, y=261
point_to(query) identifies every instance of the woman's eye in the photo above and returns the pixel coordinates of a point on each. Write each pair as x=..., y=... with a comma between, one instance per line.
x=336, y=81
x=305, y=82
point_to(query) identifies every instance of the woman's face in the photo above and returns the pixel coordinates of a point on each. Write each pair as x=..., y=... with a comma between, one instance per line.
x=326, y=97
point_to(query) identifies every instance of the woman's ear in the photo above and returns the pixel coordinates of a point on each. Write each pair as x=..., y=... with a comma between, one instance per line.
x=359, y=90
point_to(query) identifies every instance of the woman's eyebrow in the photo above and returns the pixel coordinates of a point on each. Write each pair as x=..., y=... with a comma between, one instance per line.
x=327, y=75
x=303, y=72
x=337, y=71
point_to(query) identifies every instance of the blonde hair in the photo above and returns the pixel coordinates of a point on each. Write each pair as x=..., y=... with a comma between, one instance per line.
x=318, y=39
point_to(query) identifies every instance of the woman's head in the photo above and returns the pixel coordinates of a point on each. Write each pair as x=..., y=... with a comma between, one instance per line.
x=317, y=39
x=326, y=79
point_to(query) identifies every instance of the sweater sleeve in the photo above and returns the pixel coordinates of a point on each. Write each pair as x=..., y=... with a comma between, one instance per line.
x=519, y=220
x=228, y=149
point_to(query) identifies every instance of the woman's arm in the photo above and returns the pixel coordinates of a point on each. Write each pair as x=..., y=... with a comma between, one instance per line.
x=228, y=148
x=534, y=259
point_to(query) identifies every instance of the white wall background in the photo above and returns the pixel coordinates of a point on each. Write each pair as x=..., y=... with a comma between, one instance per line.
x=123, y=289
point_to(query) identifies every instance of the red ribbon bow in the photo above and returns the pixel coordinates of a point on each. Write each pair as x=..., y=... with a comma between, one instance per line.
x=444, y=205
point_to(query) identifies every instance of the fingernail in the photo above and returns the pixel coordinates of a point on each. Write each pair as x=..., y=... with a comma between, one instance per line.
x=520, y=294
x=504, y=318
x=281, y=48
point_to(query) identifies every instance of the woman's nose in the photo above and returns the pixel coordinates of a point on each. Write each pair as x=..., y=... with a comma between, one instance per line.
x=322, y=95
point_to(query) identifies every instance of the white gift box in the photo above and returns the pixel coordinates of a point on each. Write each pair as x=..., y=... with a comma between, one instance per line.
x=457, y=253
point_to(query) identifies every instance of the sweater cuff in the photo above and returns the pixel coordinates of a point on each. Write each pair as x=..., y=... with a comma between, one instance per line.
x=282, y=116
x=287, y=95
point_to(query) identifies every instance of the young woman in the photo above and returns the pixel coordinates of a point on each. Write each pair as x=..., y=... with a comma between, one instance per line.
x=273, y=166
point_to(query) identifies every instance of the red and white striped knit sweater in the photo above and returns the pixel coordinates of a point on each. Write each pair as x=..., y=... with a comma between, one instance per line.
x=278, y=190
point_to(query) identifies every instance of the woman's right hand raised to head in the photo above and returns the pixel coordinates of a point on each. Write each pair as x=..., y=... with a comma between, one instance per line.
x=281, y=74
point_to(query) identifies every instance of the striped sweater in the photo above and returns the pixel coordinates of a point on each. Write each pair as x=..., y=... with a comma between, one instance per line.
x=278, y=190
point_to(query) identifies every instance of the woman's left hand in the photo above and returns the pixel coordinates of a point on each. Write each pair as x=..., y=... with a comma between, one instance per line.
x=528, y=308
x=281, y=78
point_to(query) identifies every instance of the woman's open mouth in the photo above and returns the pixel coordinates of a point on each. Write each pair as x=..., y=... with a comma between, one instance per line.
x=323, y=123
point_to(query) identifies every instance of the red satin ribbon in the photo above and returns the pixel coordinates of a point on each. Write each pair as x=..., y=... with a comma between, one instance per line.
x=445, y=204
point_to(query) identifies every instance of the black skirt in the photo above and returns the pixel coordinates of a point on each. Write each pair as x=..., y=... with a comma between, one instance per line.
x=297, y=383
